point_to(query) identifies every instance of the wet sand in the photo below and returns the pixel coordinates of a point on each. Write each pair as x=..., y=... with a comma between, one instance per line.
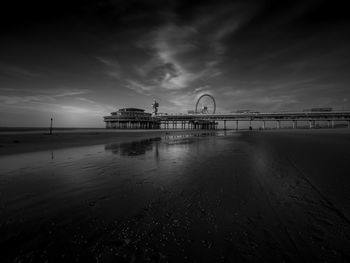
x=33, y=140
x=269, y=196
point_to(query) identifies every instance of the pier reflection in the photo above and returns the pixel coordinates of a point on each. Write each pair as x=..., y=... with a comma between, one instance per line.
x=132, y=148
x=141, y=147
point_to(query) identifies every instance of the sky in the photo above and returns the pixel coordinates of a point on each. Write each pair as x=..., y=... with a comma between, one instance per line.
x=77, y=61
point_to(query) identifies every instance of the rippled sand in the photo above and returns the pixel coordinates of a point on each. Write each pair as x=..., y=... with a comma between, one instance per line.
x=250, y=196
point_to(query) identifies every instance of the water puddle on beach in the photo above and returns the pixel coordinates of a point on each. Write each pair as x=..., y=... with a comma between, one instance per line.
x=113, y=180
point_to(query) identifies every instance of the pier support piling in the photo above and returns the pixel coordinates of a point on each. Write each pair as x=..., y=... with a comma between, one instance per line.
x=295, y=124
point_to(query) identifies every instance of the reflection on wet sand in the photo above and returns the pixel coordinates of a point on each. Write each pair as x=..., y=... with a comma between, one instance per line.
x=132, y=148
x=136, y=148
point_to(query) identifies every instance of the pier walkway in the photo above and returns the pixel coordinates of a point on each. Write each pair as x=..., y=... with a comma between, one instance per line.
x=210, y=121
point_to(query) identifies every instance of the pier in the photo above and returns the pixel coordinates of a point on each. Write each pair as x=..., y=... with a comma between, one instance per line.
x=204, y=117
x=211, y=121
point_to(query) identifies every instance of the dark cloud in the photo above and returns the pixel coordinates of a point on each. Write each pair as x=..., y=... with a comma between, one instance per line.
x=257, y=54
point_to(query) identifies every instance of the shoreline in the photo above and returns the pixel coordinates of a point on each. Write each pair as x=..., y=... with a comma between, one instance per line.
x=35, y=141
x=17, y=142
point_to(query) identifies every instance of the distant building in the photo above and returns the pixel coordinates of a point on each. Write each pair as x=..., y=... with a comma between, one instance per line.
x=131, y=118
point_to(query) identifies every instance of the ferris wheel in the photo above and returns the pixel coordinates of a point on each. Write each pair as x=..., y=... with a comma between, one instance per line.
x=205, y=104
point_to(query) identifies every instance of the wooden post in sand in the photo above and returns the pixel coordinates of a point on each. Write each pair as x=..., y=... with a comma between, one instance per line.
x=51, y=127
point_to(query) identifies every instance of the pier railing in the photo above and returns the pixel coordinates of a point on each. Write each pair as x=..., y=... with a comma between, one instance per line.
x=190, y=120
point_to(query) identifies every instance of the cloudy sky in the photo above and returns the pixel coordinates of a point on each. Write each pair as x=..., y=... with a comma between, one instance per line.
x=77, y=62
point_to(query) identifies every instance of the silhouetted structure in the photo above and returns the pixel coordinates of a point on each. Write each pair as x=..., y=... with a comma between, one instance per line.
x=131, y=118
x=207, y=119
x=155, y=107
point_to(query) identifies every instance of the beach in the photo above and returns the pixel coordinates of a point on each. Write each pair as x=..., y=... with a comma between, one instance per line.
x=174, y=196
x=33, y=140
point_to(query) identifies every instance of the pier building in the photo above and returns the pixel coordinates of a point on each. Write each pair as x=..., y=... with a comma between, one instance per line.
x=131, y=118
